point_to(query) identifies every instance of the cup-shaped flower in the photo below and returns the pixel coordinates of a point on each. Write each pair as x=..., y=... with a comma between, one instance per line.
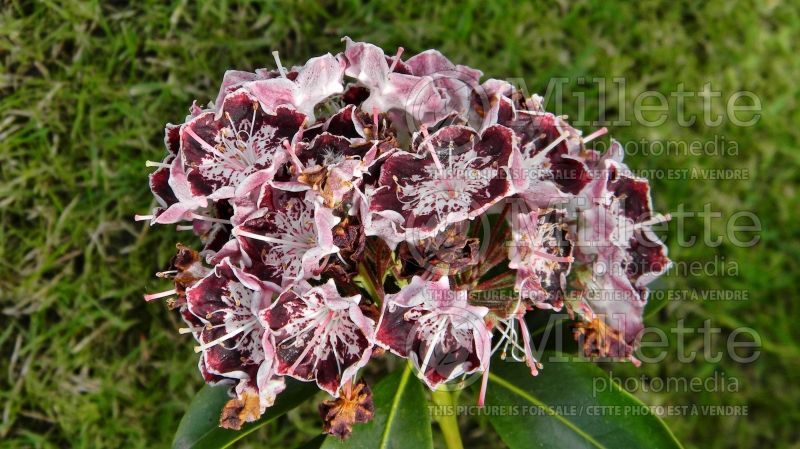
x=455, y=175
x=287, y=242
x=225, y=306
x=319, y=335
x=437, y=329
x=316, y=81
x=238, y=149
x=623, y=254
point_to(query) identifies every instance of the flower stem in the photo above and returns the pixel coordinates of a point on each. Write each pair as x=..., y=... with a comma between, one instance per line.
x=447, y=421
x=368, y=283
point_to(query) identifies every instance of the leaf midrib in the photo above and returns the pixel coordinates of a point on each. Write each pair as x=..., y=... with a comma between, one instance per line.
x=395, y=405
x=550, y=412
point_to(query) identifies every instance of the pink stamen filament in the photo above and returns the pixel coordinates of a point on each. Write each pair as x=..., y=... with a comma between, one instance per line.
x=235, y=163
x=322, y=324
x=484, y=385
x=433, y=342
x=526, y=343
x=654, y=220
x=153, y=296
x=186, y=330
x=396, y=59
x=375, y=122
x=554, y=143
x=595, y=134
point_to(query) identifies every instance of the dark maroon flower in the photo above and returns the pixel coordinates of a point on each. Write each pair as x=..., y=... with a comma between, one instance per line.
x=237, y=149
x=614, y=238
x=456, y=175
x=319, y=334
x=437, y=329
x=289, y=243
x=226, y=303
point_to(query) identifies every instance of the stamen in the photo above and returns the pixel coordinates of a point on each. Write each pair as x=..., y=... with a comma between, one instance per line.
x=396, y=58
x=211, y=219
x=278, y=63
x=326, y=324
x=431, y=150
x=484, y=385
x=156, y=164
x=433, y=342
x=202, y=142
x=233, y=125
x=184, y=227
x=213, y=343
x=238, y=232
x=292, y=153
x=595, y=134
x=654, y=220
x=375, y=121
x=237, y=164
x=153, y=296
x=533, y=364
x=138, y=217
x=554, y=143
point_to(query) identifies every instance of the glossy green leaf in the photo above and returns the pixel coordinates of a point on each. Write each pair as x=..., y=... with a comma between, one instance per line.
x=569, y=404
x=401, y=417
x=199, y=428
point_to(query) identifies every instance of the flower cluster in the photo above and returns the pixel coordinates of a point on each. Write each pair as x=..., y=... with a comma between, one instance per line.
x=363, y=203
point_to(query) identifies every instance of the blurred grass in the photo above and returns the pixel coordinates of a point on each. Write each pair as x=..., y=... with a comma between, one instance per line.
x=85, y=91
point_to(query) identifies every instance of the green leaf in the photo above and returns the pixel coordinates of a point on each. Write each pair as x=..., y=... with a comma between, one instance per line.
x=401, y=417
x=656, y=302
x=199, y=428
x=569, y=404
x=314, y=443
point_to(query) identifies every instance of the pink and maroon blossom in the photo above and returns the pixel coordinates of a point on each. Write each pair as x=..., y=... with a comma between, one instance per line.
x=540, y=253
x=435, y=327
x=290, y=242
x=362, y=188
x=455, y=175
x=237, y=150
x=614, y=238
x=316, y=81
x=319, y=335
x=548, y=169
x=225, y=306
x=427, y=87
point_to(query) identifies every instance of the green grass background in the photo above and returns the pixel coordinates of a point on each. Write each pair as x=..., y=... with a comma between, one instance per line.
x=86, y=87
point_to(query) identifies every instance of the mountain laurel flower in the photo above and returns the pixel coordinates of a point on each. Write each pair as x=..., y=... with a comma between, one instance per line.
x=362, y=205
x=437, y=329
x=319, y=334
